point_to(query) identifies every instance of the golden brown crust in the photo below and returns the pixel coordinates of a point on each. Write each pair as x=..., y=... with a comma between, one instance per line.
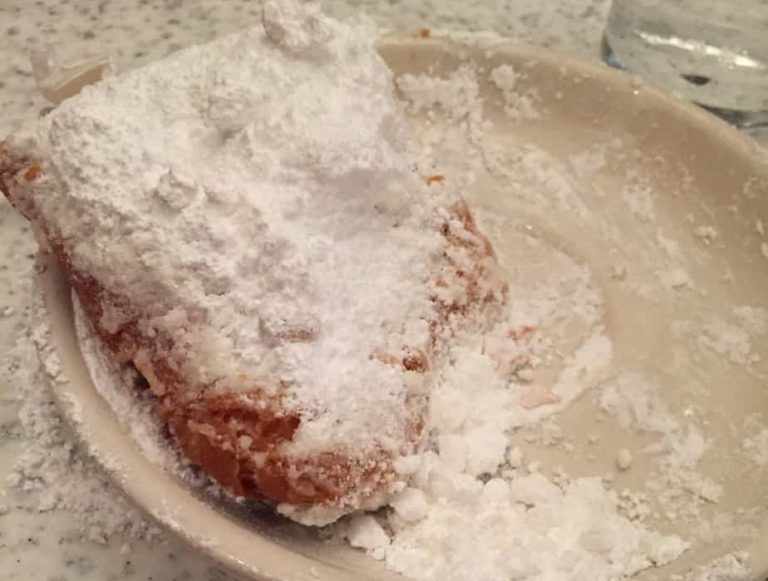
x=238, y=438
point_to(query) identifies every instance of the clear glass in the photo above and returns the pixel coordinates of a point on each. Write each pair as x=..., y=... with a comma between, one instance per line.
x=712, y=52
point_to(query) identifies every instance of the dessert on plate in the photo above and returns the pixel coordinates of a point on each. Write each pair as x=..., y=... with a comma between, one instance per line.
x=248, y=224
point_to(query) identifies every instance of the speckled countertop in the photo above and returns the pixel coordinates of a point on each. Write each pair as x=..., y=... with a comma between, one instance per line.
x=51, y=545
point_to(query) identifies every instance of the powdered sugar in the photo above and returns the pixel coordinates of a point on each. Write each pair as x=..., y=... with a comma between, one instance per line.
x=732, y=338
x=475, y=511
x=510, y=523
x=506, y=527
x=639, y=199
x=51, y=469
x=259, y=214
x=730, y=567
x=133, y=405
x=678, y=487
x=517, y=104
x=633, y=401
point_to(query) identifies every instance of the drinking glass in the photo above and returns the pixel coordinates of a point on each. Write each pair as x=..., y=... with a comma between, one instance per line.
x=712, y=52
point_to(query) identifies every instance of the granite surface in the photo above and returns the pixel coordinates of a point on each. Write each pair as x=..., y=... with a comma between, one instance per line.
x=52, y=545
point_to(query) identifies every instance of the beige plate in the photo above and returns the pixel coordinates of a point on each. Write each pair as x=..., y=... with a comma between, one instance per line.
x=699, y=172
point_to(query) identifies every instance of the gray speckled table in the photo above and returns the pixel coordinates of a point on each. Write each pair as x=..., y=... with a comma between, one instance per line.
x=53, y=545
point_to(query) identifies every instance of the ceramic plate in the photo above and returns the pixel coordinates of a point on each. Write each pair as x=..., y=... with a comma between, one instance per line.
x=668, y=270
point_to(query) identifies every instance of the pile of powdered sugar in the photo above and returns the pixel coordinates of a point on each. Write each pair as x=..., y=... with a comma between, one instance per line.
x=476, y=509
x=678, y=488
x=52, y=471
x=284, y=183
